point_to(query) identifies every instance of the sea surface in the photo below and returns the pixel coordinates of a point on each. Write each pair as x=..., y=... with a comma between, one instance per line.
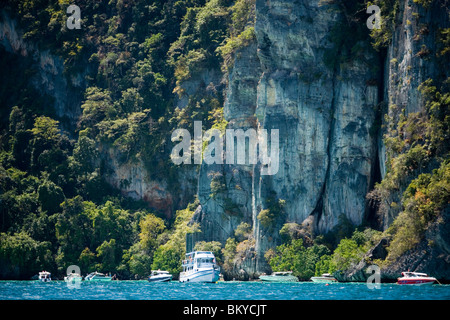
x=144, y=290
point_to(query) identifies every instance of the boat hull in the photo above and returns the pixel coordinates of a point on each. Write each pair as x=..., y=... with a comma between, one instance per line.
x=99, y=279
x=73, y=279
x=160, y=279
x=323, y=280
x=201, y=275
x=278, y=279
x=417, y=282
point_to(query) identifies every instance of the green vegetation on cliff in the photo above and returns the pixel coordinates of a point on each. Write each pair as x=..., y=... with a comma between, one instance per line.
x=56, y=208
x=314, y=259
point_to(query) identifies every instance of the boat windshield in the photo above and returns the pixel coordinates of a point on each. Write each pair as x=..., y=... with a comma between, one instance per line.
x=204, y=261
x=414, y=274
x=157, y=272
x=282, y=273
x=199, y=257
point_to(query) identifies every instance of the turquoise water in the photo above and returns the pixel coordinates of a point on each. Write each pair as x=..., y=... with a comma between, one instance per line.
x=143, y=290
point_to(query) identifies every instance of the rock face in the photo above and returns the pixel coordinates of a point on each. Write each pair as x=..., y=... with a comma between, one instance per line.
x=410, y=60
x=330, y=154
x=323, y=113
x=134, y=181
x=50, y=78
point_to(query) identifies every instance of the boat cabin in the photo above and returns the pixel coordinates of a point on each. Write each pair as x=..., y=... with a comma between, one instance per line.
x=199, y=259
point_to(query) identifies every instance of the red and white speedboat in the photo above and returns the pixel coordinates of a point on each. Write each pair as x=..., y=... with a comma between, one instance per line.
x=415, y=278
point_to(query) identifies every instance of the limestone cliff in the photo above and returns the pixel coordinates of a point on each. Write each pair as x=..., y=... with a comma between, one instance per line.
x=328, y=113
x=310, y=72
x=411, y=58
x=324, y=113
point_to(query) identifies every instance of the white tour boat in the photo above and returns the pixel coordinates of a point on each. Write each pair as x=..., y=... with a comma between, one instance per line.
x=45, y=276
x=200, y=266
x=159, y=276
x=415, y=278
x=325, y=278
x=280, y=276
x=97, y=276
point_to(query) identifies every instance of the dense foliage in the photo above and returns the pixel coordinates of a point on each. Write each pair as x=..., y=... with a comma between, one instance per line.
x=313, y=259
x=56, y=208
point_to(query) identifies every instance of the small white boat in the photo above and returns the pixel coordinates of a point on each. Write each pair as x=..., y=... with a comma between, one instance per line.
x=325, y=278
x=45, y=276
x=97, y=276
x=200, y=266
x=159, y=276
x=415, y=278
x=73, y=277
x=280, y=276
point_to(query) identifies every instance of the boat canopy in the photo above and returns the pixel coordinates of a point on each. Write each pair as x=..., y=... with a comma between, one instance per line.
x=414, y=274
x=199, y=253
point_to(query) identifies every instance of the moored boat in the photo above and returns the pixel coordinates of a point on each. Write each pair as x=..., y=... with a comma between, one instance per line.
x=324, y=278
x=415, y=278
x=45, y=276
x=73, y=277
x=159, y=276
x=280, y=276
x=97, y=276
x=200, y=266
